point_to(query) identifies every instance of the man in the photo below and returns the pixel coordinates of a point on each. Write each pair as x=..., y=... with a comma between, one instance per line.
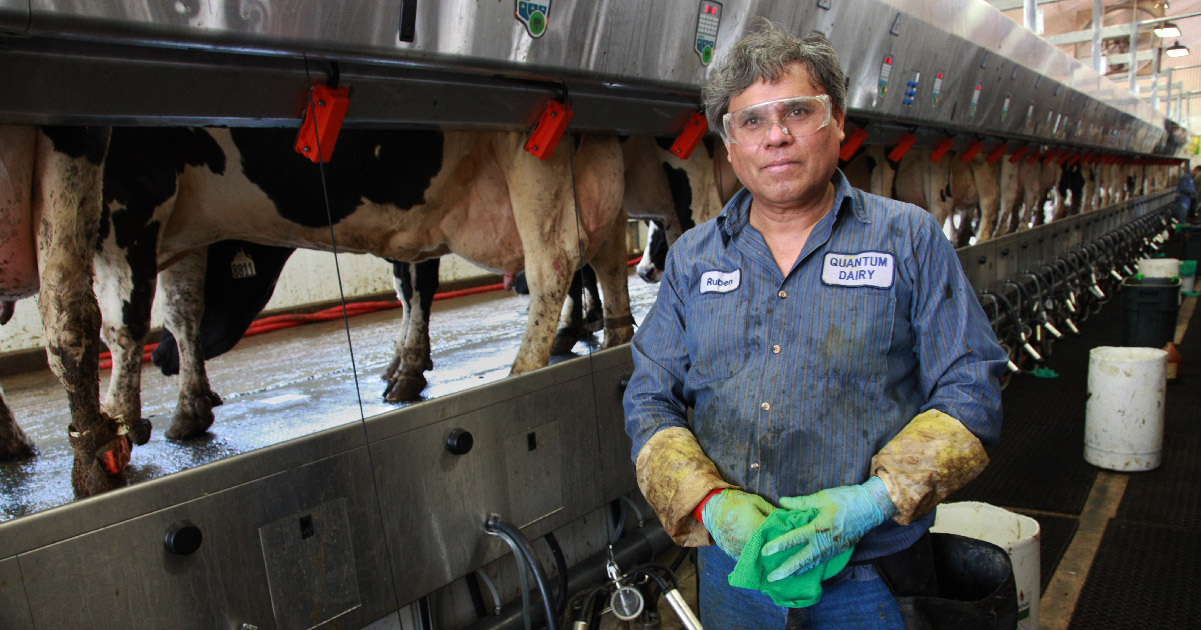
x=1186, y=195
x=833, y=353
x=1196, y=187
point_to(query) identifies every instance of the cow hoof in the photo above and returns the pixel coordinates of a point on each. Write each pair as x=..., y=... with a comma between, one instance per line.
x=192, y=417
x=139, y=431
x=405, y=389
x=565, y=340
x=88, y=477
x=14, y=445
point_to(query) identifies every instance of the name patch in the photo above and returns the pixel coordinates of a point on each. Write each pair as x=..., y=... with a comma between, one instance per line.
x=865, y=269
x=720, y=281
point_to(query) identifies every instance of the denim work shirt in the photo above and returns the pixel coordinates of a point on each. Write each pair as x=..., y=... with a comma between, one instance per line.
x=797, y=381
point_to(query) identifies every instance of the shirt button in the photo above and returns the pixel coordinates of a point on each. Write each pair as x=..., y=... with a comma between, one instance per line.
x=755, y=466
x=775, y=349
x=765, y=406
x=783, y=294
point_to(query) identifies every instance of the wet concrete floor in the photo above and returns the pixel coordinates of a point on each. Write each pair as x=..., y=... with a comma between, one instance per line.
x=278, y=386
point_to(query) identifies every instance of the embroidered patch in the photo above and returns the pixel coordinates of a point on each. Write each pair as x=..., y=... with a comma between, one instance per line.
x=720, y=281
x=865, y=269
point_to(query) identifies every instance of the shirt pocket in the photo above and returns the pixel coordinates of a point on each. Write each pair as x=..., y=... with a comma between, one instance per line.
x=853, y=335
x=717, y=336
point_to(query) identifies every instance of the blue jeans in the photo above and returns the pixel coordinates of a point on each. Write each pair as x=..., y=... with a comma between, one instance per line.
x=855, y=598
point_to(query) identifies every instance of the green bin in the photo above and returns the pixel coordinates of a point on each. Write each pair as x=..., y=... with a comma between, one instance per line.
x=1151, y=306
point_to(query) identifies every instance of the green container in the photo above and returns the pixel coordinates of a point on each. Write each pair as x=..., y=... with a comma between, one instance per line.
x=1188, y=268
x=1151, y=306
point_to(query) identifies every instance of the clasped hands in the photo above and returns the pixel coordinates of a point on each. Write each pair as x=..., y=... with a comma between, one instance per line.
x=843, y=516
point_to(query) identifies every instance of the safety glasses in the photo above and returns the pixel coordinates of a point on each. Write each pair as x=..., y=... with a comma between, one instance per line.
x=797, y=116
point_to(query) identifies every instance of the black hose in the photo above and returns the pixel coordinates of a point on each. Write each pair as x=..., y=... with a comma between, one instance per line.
x=596, y=606
x=477, y=597
x=561, y=565
x=497, y=525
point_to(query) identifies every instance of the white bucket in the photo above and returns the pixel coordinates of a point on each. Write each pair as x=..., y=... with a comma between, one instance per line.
x=1017, y=534
x=1123, y=418
x=1159, y=267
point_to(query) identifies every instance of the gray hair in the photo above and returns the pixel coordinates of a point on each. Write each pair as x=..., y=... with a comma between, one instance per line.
x=765, y=53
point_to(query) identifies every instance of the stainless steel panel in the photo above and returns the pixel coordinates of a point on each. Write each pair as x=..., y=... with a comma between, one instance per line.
x=131, y=581
x=437, y=502
x=81, y=517
x=14, y=611
x=637, y=51
x=14, y=16
x=311, y=569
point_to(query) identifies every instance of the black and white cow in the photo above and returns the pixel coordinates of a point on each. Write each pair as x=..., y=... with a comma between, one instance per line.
x=51, y=179
x=403, y=195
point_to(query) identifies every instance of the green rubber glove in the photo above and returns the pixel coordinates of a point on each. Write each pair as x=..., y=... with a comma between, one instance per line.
x=844, y=515
x=732, y=516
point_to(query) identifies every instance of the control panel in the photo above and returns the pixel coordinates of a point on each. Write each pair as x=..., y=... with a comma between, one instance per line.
x=911, y=89
x=534, y=15
x=707, y=21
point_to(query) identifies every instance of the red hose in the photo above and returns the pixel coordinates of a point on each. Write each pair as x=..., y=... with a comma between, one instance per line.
x=288, y=320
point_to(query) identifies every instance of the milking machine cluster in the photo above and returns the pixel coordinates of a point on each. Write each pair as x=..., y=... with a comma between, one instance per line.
x=1039, y=305
x=622, y=581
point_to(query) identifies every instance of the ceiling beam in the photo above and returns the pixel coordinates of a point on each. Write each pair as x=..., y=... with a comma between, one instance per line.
x=1120, y=30
x=1007, y=5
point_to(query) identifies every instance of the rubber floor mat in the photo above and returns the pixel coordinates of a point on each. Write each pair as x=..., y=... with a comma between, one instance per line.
x=1145, y=575
x=1039, y=462
x=1169, y=494
x=1054, y=534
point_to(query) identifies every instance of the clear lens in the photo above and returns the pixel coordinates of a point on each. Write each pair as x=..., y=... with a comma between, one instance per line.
x=799, y=116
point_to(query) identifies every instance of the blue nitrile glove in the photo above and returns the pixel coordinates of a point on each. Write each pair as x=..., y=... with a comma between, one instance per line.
x=844, y=515
x=732, y=516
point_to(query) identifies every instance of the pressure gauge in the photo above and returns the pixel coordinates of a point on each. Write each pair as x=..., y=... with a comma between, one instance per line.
x=707, y=21
x=626, y=603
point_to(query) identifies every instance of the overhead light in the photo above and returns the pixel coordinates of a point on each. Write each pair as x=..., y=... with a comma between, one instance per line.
x=1176, y=50
x=1167, y=29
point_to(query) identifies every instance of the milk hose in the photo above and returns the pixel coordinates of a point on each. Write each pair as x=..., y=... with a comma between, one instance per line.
x=497, y=526
x=561, y=565
x=687, y=618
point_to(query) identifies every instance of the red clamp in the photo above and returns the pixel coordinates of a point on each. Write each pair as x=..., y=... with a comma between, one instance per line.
x=550, y=127
x=971, y=152
x=1033, y=158
x=852, y=144
x=1017, y=155
x=940, y=150
x=902, y=147
x=690, y=136
x=1050, y=155
x=1064, y=157
x=996, y=153
x=320, y=130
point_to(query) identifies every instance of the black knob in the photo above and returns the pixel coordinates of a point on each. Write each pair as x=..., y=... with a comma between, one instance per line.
x=1005, y=251
x=459, y=442
x=182, y=538
x=983, y=259
x=625, y=381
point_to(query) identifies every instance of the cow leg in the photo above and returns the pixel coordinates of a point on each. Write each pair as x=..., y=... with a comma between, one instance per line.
x=544, y=211
x=611, y=274
x=67, y=175
x=416, y=285
x=183, y=290
x=984, y=176
x=17, y=146
x=571, y=319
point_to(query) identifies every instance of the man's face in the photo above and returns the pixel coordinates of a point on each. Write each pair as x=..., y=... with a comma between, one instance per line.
x=784, y=170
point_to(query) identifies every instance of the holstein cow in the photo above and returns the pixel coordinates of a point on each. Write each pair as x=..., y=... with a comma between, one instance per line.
x=699, y=188
x=50, y=179
x=402, y=195
x=949, y=188
x=657, y=184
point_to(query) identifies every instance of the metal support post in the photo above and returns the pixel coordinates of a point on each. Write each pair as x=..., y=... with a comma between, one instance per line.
x=1097, y=11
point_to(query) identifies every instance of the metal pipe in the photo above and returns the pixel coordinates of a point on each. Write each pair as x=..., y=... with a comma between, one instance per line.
x=1133, y=64
x=1030, y=15
x=639, y=546
x=1096, y=57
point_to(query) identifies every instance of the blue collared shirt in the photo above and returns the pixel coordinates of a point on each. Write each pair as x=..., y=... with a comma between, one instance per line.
x=797, y=380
